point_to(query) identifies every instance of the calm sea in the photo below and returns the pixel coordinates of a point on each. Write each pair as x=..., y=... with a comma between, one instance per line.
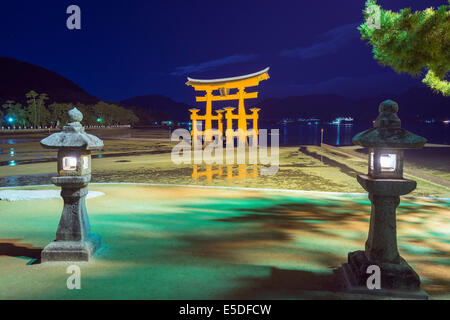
x=341, y=135
x=292, y=134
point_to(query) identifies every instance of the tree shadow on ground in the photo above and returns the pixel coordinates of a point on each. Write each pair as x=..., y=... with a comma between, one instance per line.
x=330, y=162
x=290, y=283
x=285, y=217
x=11, y=248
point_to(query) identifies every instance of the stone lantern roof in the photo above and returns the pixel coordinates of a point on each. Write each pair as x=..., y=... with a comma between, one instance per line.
x=387, y=131
x=73, y=135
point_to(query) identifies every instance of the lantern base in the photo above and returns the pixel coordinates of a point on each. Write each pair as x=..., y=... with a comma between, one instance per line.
x=71, y=250
x=386, y=187
x=397, y=280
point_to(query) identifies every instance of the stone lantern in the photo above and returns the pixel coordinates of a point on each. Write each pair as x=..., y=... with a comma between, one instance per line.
x=74, y=240
x=385, y=184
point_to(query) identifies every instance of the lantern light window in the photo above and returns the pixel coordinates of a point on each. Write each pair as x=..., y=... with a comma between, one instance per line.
x=371, y=160
x=85, y=163
x=69, y=163
x=388, y=162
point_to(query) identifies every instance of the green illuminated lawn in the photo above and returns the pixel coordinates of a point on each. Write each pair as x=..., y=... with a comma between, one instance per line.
x=197, y=243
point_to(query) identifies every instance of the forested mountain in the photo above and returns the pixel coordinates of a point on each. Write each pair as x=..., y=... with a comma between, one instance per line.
x=17, y=78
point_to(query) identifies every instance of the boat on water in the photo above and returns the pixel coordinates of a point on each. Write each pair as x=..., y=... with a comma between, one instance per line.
x=343, y=120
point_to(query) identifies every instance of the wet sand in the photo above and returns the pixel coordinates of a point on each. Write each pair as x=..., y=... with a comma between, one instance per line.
x=144, y=156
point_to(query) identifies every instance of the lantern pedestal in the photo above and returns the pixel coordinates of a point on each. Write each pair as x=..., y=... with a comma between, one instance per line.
x=71, y=250
x=74, y=240
x=397, y=277
x=398, y=280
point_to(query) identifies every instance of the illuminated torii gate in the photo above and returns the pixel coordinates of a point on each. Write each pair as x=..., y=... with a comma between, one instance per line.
x=223, y=87
x=210, y=173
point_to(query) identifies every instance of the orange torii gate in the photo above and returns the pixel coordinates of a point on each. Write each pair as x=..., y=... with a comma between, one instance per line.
x=210, y=173
x=223, y=87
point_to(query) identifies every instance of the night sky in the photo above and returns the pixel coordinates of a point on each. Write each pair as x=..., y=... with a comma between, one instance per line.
x=129, y=48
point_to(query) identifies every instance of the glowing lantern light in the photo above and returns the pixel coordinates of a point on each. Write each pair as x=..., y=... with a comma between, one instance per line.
x=69, y=163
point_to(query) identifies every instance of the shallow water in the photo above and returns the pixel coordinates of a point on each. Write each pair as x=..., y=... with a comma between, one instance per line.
x=341, y=135
x=26, y=180
x=16, y=140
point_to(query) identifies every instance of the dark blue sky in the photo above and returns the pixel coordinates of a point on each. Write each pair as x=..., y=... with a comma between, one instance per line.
x=129, y=48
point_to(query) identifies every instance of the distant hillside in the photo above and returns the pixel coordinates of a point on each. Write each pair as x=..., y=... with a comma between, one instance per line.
x=18, y=78
x=157, y=107
x=323, y=106
x=151, y=107
x=414, y=103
